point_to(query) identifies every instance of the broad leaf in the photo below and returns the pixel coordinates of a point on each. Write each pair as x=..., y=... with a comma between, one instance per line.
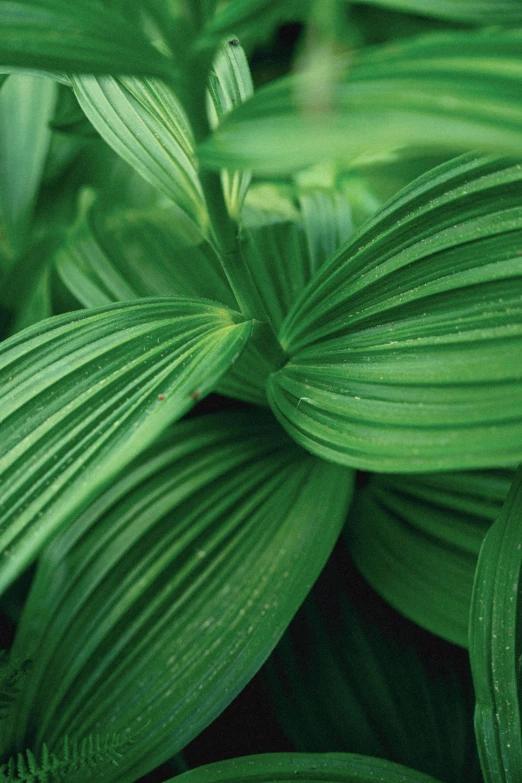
x=416, y=540
x=155, y=607
x=406, y=347
x=486, y=12
x=454, y=91
x=83, y=393
x=143, y=121
x=26, y=109
x=77, y=36
x=288, y=767
x=495, y=644
x=132, y=253
x=351, y=675
x=230, y=84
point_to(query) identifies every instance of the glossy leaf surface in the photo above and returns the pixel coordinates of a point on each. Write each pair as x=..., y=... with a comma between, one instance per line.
x=156, y=606
x=143, y=121
x=416, y=540
x=288, y=767
x=454, y=91
x=495, y=644
x=76, y=36
x=406, y=347
x=84, y=393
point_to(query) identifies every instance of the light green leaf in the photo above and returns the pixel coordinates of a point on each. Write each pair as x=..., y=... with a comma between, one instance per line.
x=143, y=121
x=351, y=675
x=495, y=644
x=455, y=91
x=135, y=253
x=486, y=12
x=406, y=347
x=26, y=109
x=77, y=36
x=288, y=767
x=229, y=85
x=416, y=540
x=83, y=393
x=157, y=605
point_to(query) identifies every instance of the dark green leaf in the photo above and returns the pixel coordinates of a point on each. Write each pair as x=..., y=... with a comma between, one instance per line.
x=416, y=540
x=77, y=36
x=143, y=121
x=289, y=767
x=83, y=393
x=495, y=644
x=406, y=347
x=163, y=598
x=454, y=91
x=486, y=12
x=252, y=20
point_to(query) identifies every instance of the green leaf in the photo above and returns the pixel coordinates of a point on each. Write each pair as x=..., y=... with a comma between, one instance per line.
x=108, y=255
x=486, y=12
x=83, y=393
x=159, y=602
x=230, y=84
x=455, y=91
x=251, y=20
x=406, y=347
x=143, y=121
x=351, y=675
x=495, y=644
x=79, y=36
x=416, y=540
x=26, y=109
x=288, y=767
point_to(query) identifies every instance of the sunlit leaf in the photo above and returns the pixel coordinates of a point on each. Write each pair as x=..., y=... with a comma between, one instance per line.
x=163, y=598
x=288, y=767
x=406, y=347
x=143, y=121
x=84, y=393
x=416, y=540
x=455, y=91
x=77, y=36
x=495, y=644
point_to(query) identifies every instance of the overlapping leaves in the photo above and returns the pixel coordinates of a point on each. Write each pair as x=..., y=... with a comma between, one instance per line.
x=163, y=598
x=406, y=347
x=83, y=393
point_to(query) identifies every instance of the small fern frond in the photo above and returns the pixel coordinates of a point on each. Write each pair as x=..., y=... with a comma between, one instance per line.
x=10, y=676
x=88, y=755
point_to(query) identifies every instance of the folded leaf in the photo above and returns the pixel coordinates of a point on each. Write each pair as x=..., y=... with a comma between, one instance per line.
x=77, y=36
x=351, y=675
x=26, y=109
x=416, y=540
x=454, y=91
x=288, y=767
x=160, y=601
x=495, y=644
x=143, y=121
x=84, y=393
x=406, y=347
x=486, y=12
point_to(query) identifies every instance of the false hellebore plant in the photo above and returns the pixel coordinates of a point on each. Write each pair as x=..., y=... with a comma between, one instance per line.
x=341, y=251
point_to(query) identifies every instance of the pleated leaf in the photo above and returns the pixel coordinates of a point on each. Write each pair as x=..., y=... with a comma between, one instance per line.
x=406, y=347
x=83, y=393
x=288, y=767
x=155, y=607
x=78, y=36
x=143, y=121
x=351, y=675
x=230, y=84
x=486, y=12
x=416, y=540
x=495, y=644
x=454, y=91
x=132, y=254
x=26, y=109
